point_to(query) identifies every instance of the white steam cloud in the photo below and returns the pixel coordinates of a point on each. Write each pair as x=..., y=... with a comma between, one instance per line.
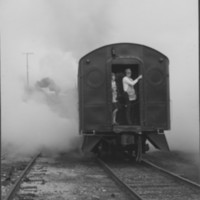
x=45, y=114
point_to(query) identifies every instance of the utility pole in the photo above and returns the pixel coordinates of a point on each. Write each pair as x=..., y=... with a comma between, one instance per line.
x=27, y=66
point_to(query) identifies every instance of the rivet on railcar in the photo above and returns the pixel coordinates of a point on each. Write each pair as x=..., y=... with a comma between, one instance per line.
x=137, y=127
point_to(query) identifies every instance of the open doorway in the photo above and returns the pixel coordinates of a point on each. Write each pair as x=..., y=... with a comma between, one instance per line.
x=128, y=111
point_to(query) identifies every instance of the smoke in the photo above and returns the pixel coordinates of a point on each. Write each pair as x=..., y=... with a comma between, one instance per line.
x=44, y=115
x=49, y=84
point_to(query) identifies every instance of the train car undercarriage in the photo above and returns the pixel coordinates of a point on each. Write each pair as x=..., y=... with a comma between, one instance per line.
x=131, y=144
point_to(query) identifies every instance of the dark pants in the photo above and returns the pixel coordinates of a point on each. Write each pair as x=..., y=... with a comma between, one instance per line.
x=132, y=112
x=129, y=111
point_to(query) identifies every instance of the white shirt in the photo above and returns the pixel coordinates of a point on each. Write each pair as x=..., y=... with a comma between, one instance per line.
x=114, y=92
x=128, y=84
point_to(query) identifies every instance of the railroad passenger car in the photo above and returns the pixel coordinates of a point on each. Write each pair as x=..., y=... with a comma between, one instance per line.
x=95, y=99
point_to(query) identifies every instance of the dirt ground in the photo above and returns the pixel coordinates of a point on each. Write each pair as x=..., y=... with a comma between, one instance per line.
x=76, y=176
x=69, y=177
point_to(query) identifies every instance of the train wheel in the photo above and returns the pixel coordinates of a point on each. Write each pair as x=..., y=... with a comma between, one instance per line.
x=139, y=149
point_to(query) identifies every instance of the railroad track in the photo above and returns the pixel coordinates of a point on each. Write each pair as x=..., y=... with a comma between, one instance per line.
x=65, y=177
x=140, y=181
x=14, y=188
x=146, y=181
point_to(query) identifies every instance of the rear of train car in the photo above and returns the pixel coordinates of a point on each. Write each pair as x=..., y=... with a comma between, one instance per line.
x=151, y=115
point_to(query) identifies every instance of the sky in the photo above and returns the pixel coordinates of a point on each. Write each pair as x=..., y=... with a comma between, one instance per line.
x=60, y=32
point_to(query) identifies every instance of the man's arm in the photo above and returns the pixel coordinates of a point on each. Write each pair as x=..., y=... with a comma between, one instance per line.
x=132, y=82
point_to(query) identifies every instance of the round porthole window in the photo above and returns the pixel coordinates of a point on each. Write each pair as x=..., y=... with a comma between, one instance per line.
x=155, y=76
x=95, y=78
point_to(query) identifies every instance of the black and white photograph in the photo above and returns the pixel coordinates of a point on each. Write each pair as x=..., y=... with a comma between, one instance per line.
x=100, y=99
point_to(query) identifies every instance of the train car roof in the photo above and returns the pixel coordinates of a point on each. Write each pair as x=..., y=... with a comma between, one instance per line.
x=123, y=43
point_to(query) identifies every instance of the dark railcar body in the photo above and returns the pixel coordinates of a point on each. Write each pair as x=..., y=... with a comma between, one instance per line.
x=95, y=93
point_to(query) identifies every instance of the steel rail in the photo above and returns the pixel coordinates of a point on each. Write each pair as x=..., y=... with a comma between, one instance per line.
x=15, y=187
x=176, y=176
x=119, y=182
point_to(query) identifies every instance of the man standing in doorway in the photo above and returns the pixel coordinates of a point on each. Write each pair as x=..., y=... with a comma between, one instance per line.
x=128, y=87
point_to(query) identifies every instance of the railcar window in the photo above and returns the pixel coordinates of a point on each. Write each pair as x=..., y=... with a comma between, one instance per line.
x=128, y=112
